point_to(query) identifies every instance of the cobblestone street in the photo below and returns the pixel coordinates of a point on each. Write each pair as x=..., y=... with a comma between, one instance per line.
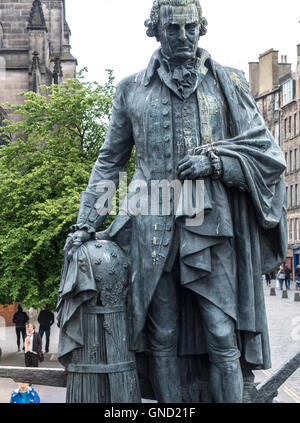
x=284, y=328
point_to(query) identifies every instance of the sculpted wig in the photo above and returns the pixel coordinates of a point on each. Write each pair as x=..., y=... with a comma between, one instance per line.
x=152, y=23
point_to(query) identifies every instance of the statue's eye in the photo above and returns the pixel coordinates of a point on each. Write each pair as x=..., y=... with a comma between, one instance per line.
x=190, y=27
x=172, y=28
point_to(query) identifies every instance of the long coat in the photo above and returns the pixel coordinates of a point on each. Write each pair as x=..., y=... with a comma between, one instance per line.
x=247, y=205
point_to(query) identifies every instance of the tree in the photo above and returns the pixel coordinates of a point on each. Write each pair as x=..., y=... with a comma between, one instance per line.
x=42, y=172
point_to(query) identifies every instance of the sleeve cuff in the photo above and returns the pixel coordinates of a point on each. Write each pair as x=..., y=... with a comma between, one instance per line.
x=83, y=227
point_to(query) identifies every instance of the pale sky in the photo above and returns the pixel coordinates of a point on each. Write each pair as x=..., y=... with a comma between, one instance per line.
x=111, y=33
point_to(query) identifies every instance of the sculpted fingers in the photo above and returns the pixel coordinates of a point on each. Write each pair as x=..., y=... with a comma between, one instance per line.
x=189, y=173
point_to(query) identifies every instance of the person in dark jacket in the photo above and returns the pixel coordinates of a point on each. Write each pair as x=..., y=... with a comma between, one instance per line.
x=20, y=319
x=287, y=272
x=24, y=394
x=33, y=346
x=297, y=277
x=268, y=279
x=46, y=320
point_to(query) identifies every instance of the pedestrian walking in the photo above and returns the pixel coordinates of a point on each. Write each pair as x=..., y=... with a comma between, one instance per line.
x=20, y=319
x=268, y=279
x=287, y=272
x=46, y=320
x=33, y=347
x=281, y=277
x=25, y=394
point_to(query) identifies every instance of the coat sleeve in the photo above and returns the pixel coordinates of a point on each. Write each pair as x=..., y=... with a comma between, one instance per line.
x=114, y=155
x=38, y=342
x=13, y=398
x=36, y=398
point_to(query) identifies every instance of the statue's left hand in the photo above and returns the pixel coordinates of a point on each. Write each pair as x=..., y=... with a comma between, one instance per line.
x=75, y=240
x=194, y=167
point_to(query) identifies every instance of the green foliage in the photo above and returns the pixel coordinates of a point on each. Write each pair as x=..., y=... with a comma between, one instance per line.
x=42, y=172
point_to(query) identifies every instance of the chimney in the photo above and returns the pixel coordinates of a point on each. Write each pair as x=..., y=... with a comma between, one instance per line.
x=268, y=71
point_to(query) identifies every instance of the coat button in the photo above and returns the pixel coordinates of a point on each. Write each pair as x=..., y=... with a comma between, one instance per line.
x=168, y=153
x=165, y=112
x=166, y=125
x=167, y=139
x=165, y=101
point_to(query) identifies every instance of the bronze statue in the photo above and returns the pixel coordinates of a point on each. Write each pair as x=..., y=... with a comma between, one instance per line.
x=195, y=301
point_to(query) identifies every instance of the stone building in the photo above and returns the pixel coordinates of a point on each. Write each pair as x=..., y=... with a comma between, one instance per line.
x=276, y=89
x=34, y=47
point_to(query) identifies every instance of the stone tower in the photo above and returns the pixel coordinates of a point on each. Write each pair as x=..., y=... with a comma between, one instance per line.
x=34, y=47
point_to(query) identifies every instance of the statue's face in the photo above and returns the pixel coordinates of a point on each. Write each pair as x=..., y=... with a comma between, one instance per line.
x=179, y=31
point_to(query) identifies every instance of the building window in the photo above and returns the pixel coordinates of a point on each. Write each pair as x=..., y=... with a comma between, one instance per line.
x=295, y=124
x=276, y=133
x=286, y=161
x=1, y=35
x=295, y=159
x=296, y=195
x=287, y=92
x=291, y=230
x=291, y=161
x=291, y=195
x=276, y=101
x=297, y=230
x=290, y=126
x=285, y=128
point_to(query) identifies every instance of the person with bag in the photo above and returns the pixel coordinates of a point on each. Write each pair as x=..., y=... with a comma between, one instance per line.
x=281, y=277
x=33, y=347
x=20, y=319
x=25, y=394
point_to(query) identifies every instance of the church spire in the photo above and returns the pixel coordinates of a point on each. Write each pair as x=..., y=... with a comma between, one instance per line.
x=37, y=19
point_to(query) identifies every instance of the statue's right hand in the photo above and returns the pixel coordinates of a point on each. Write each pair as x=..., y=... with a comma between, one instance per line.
x=75, y=240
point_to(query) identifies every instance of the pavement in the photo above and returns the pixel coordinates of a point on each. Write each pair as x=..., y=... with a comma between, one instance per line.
x=284, y=329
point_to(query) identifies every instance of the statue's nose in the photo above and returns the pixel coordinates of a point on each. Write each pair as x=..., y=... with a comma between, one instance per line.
x=182, y=34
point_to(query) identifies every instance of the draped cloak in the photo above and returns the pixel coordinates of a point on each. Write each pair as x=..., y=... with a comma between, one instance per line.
x=247, y=208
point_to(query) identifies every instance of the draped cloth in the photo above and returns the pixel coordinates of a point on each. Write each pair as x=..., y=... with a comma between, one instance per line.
x=77, y=287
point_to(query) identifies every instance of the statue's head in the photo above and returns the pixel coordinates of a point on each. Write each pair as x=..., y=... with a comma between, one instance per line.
x=177, y=25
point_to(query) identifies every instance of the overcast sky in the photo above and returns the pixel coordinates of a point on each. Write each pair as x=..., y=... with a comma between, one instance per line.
x=111, y=33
